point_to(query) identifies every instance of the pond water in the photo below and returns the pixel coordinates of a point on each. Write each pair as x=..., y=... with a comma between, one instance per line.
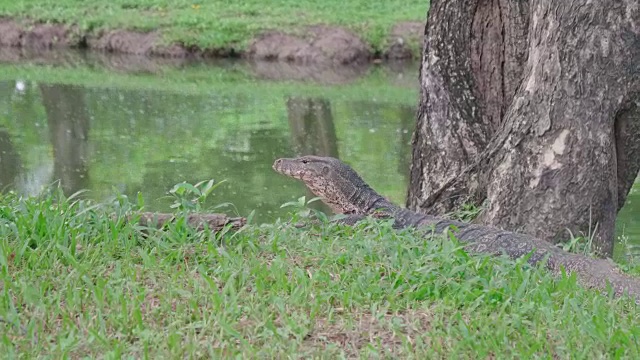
x=130, y=125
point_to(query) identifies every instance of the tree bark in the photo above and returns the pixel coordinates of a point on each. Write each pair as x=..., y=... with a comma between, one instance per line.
x=533, y=107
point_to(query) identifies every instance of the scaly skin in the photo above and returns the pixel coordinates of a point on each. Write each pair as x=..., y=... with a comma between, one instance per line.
x=340, y=187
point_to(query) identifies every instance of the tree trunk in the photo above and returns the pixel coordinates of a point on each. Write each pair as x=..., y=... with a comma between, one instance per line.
x=533, y=107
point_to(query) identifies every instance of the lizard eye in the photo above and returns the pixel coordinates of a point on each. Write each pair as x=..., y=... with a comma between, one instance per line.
x=304, y=161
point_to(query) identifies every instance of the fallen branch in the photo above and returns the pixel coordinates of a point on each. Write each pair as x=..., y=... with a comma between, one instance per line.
x=214, y=222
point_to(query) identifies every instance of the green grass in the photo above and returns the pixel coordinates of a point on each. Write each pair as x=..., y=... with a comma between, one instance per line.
x=74, y=283
x=222, y=23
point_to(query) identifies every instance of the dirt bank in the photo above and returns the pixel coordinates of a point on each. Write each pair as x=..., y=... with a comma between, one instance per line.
x=313, y=45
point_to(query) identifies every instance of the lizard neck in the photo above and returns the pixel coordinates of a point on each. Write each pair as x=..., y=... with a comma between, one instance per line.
x=367, y=201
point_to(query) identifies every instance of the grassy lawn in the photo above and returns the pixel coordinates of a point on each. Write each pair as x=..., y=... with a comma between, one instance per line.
x=76, y=283
x=222, y=23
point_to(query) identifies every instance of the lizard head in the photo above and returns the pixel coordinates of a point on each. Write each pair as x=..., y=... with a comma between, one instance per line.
x=328, y=178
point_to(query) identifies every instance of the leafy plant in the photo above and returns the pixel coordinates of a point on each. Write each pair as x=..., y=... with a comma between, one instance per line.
x=191, y=198
x=303, y=211
x=467, y=212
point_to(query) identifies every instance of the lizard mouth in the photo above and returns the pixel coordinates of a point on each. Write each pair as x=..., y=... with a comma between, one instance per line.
x=277, y=165
x=280, y=166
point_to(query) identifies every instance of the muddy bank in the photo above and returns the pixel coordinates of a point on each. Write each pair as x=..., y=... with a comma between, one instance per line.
x=314, y=45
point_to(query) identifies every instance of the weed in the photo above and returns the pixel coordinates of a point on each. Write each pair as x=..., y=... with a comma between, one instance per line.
x=467, y=212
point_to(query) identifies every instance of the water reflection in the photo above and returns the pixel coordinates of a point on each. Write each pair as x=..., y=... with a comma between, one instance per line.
x=312, y=132
x=137, y=136
x=68, y=123
x=311, y=125
x=101, y=138
x=9, y=160
x=628, y=225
